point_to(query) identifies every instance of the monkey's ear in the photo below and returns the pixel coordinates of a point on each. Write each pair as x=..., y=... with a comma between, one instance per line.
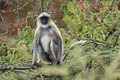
x=39, y=13
x=50, y=14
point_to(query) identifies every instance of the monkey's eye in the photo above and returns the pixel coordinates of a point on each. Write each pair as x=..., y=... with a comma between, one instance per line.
x=44, y=20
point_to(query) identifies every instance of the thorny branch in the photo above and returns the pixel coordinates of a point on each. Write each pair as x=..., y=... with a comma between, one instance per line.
x=81, y=42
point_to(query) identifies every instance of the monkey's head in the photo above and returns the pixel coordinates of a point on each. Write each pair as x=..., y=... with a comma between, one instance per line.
x=44, y=18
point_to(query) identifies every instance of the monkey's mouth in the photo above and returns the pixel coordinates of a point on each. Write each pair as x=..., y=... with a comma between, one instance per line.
x=44, y=20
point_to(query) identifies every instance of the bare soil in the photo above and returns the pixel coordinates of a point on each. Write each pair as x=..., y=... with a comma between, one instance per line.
x=9, y=20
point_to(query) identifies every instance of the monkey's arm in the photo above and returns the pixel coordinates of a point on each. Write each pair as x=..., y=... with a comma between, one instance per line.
x=59, y=54
x=59, y=43
x=35, y=48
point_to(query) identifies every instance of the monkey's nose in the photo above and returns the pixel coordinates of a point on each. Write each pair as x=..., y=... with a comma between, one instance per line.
x=44, y=20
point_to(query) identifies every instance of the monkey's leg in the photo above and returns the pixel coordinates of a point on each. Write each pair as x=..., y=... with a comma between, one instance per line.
x=59, y=49
x=39, y=55
x=53, y=51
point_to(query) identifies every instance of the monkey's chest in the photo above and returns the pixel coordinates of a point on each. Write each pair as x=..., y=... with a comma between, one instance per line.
x=45, y=40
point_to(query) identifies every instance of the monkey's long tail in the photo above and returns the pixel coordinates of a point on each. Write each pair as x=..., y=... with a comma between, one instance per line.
x=81, y=42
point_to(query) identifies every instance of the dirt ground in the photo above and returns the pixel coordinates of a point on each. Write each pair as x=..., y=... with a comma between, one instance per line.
x=10, y=19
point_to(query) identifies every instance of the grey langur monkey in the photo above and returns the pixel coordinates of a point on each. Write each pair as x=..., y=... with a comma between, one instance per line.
x=47, y=45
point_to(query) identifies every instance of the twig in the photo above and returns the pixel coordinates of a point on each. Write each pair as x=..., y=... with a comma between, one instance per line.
x=99, y=43
x=22, y=70
x=42, y=7
x=17, y=68
x=118, y=34
x=35, y=76
x=4, y=23
x=18, y=71
x=81, y=42
x=110, y=8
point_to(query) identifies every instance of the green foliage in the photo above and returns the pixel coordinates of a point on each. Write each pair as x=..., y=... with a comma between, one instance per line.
x=100, y=26
x=26, y=37
x=89, y=62
x=85, y=24
x=32, y=15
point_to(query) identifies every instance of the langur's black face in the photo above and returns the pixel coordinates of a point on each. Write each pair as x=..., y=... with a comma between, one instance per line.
x=44, y=20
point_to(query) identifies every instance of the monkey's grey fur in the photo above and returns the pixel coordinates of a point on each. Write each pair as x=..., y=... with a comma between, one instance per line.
x=47, y=45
